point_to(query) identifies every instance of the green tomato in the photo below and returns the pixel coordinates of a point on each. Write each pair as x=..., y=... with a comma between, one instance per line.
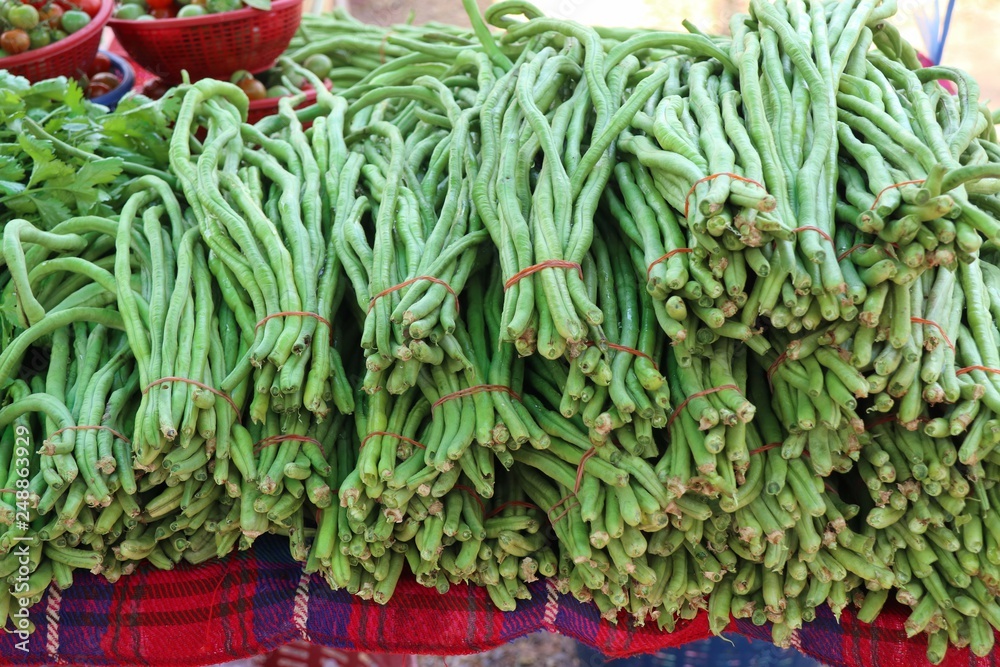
x=146, y=17
x=319, y=64
x=74, y=20
x=3, y=54
x=39, y=37
x=5, y=9
x=141, y=3
x=219, y=6
x=23, y=16
x=187, y=11
x=129, y=12
x=56, y=35
x=278, y=91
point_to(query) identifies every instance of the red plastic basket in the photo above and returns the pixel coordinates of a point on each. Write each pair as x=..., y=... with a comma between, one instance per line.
x=67, y=57
x=212, y=46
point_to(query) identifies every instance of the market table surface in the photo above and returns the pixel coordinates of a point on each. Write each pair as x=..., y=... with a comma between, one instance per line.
x=257, y=600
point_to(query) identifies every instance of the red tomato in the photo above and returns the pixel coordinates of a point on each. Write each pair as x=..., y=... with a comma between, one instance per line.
x=15, y=41
x=52, y=14
x=105, y=78
x=159, y=4
x=101, y=63
x=91, y=7
x=155, y=88
x=254, y=89
x=97, y=89
x=168, y=12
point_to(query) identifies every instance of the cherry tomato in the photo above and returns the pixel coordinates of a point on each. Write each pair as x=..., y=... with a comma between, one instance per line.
x=23, y=16
x=319, y=64
x=51, y=15
x=159, y=4
x=106, y=78
x=219, y=6
x=254, y=89
x=74, y=20
x=189, y=11
x=91, y=7
x=15, y=41
x=101, y=63
x=168, y=12
x=39, y=37
x=58, y=34
x=129, y=12
x=97, y=89
x=155, y=88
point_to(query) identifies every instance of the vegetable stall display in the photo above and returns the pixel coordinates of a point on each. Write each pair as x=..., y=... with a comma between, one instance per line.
x=682, y=322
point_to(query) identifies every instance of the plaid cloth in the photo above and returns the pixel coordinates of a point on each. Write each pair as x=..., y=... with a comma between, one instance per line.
x=257, y=600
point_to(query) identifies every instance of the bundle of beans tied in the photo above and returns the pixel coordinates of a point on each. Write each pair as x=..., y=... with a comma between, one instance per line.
x=682, y=322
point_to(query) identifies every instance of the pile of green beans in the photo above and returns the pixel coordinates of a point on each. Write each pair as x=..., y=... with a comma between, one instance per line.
x=687, y=324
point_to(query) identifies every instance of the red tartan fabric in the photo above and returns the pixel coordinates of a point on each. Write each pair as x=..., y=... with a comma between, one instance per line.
x=255, y=601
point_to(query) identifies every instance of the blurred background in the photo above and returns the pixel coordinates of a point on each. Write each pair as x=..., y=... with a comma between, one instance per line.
x=970, y=45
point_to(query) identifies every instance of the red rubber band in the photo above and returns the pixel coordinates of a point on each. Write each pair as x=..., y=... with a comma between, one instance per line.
x=475, y=496
x=89, y=428
x=854, y=247
x=969, y=369
x=774, y=368
x=548, y=264
x=764, y=448
x=381, y=48
x=291, y=437
x=810, y=228
x=880, y=421
x=630, y=350
x=407, y=283
x=699, y=394
x=565, y=512
x=920, y=181
x=511, y=503
x=920, y=320
x=478, y=389
x=687, y=200
x=300, y=313
x=675, y=251
x=201, y=385
x=392, y=435
x=579, y=469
